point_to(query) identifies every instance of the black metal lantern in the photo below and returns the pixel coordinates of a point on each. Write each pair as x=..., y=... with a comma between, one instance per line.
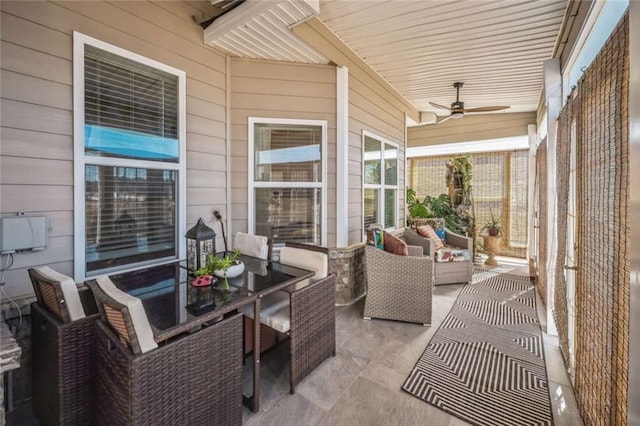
x=201, y=242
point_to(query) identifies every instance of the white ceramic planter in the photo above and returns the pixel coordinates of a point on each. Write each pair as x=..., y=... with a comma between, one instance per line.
x=231, y=272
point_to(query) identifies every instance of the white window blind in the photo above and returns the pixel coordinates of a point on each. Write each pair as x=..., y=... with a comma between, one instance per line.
x=131, y=165
x=288, y=188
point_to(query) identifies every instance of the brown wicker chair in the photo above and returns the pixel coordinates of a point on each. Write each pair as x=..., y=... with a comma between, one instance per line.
x=307, y=316
x=63, y=355
x=445, y=272
x=313, y=323
x=195, y=379
x=398, y=287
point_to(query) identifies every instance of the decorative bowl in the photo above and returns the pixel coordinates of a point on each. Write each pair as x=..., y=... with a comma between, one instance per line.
x=231, y=272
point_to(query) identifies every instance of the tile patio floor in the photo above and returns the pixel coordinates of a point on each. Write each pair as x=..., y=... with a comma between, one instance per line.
x=362, y=384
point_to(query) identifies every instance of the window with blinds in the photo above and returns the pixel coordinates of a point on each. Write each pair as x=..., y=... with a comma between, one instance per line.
x=499, y=185
x=131, y=162
x=131, y=110
x=288, y=180
x=380, y=182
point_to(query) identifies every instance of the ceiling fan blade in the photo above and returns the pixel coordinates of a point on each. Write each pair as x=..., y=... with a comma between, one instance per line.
x=486, y=109
x=433, y=104
x=443, y=119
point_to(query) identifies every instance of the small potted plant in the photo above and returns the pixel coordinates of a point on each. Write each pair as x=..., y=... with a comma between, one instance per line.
x=225, y=267
x=493, y=226
x=491, y=241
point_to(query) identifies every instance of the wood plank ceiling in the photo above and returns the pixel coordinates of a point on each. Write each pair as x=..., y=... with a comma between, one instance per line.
x=421, y=47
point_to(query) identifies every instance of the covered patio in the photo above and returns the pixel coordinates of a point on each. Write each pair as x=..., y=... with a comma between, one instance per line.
x=303, y=121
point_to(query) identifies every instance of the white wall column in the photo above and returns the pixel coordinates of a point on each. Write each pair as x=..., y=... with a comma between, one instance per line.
x=342, y=156
x=228, y=175
x=532, y=131
x=553, y=99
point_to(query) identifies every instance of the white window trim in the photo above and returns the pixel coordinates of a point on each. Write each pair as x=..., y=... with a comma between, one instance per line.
x=382, y=185
x=583, y=40
x=252, y=184
x=80, y=160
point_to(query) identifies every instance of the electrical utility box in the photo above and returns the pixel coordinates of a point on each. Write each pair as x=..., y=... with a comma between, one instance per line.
x=21, y=233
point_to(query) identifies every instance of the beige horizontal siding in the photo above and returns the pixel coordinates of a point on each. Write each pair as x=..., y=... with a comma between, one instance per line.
x=34, y=144
x=35, y=171
x=472, y=128
x=373, y=113
x=278, y=90
x=36, y=161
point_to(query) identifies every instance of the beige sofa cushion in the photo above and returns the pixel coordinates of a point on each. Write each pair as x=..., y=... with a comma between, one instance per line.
x=428, y=232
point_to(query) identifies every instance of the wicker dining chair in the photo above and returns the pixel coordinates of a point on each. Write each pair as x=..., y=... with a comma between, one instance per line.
x=63, y=350
x=398, y=287
x=312, y=314
x=195, y=379
x=305, y=311
x=253, y=245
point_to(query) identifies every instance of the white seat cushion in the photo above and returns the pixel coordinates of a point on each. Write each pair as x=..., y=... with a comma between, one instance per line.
x=274, y=308
x=306, y=259
x=252, y=245
x=136, y=310
x=69, y=291
x=274, y=311
x=279, y=320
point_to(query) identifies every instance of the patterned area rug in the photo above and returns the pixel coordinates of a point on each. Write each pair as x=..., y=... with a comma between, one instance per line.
x=485, y=364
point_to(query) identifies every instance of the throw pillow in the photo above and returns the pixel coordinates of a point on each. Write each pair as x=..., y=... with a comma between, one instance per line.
x=436, y=223
x=395, y=245
x=428, y=232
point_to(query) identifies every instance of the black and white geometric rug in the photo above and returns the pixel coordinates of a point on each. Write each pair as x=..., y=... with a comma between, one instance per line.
x=485, y=364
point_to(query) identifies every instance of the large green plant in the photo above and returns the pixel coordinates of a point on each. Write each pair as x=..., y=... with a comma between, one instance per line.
x=440, y=206
x=416, y=208
x=434, y=207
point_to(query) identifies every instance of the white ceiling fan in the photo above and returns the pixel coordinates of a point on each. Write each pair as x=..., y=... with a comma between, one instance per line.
x=457, y=108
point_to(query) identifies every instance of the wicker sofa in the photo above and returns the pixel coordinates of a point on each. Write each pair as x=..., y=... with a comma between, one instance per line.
x=445, y=272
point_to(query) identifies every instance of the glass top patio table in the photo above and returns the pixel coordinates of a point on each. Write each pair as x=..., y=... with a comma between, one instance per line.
x=174, y=306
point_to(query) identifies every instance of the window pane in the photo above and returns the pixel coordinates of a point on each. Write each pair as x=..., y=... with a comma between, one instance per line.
x=131, y=110
x=371, y=197
x=390, y=165
x=130, y=215
x=372, y=161
x=287, y=153
x=390, y=208
x=289, y=214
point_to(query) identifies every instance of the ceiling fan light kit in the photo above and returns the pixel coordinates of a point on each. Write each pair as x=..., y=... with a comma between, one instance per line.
x=457, y=108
